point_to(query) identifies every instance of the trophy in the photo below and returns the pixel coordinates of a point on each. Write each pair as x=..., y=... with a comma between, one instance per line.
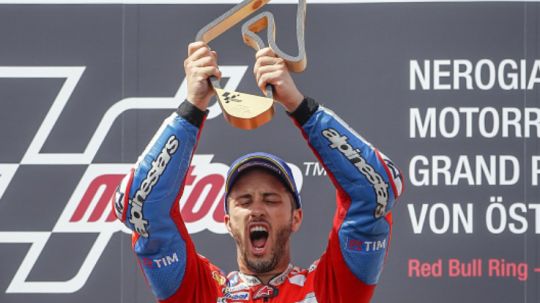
x=243, y=110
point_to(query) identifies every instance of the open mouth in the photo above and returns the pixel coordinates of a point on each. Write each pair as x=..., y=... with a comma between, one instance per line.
x=258, y=235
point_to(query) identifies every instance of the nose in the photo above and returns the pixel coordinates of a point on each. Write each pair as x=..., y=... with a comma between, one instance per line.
x=258, y=208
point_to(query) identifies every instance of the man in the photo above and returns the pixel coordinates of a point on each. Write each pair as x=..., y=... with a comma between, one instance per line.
x=262, y=204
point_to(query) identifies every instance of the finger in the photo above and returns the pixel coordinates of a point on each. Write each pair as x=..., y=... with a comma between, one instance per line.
x=262, y=61
x=265, y=52
x=203, y=62
x=268, y=69
x=203, y=73
x=268, y=78
x=267, y=61
x=200, y=53
x=194, y=46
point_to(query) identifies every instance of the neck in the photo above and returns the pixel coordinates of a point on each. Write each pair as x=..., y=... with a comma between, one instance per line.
x=268, y=276
x=265, y=277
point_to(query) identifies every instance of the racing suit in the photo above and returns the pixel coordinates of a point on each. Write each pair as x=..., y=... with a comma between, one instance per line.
x=367, y=184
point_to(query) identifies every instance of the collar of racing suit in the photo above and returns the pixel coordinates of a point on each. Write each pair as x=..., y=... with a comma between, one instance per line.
x=238, y=280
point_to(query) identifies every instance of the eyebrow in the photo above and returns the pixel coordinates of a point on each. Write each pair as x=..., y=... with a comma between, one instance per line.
x=242, y=196
x=248, y=195
x=270, y=194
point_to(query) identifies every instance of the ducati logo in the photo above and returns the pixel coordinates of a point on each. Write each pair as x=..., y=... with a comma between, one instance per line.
x=266, y=291
x=88, y=209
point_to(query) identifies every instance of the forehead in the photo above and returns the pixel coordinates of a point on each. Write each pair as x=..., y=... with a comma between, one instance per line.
x=257, y=178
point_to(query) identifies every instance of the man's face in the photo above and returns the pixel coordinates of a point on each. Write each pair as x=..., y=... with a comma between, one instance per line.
x=261, y=219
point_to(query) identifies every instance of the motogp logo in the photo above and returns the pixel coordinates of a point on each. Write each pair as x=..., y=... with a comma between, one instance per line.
x=88, y=208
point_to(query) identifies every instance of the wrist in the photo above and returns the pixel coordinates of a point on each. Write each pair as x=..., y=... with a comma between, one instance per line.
x=201, y=104
x=292, y=103
x=305, y=111
x=192, y=113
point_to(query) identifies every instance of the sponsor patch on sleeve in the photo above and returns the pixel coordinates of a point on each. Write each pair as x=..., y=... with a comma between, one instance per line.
x=365, y=246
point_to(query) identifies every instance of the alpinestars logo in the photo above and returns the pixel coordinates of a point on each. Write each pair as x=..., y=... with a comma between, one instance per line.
x=341, y=143
x=158, y=166
x=88, y=207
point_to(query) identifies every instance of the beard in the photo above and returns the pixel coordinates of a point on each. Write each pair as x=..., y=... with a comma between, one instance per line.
x=260, y=265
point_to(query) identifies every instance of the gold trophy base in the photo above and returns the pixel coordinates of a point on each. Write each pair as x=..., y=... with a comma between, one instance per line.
x=244, y=110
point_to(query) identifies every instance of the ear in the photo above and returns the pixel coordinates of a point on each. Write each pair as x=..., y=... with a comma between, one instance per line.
x=298, y=215
x=228, y=224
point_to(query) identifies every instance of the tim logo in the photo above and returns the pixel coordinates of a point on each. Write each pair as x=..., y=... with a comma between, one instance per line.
x=365, y=246
x=88, y=209
x=160, y=262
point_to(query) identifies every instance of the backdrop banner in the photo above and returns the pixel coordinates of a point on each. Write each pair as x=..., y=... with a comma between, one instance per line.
x=449, y=91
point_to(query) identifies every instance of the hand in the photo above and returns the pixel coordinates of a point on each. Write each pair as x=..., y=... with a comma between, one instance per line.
x=200, y=64
x=269, y=69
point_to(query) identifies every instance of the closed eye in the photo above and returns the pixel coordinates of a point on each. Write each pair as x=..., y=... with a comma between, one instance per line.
x=243, y=200
x=272, y=198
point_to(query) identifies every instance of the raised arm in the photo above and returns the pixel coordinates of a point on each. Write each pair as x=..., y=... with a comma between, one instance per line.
x=147, y=200
x=367, y=184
